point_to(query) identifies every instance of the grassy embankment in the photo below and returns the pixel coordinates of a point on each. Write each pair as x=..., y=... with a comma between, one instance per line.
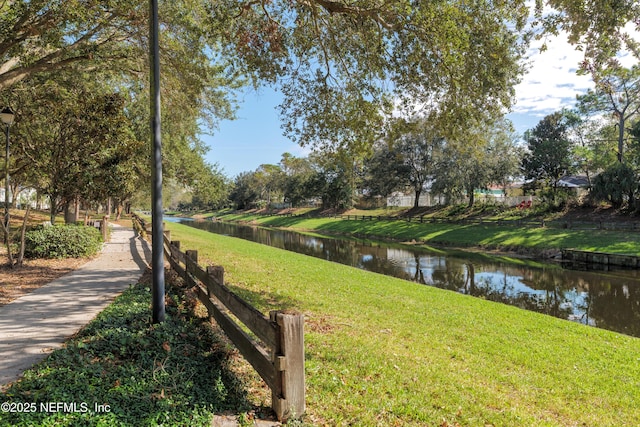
x=383, y=351
x=488, y=236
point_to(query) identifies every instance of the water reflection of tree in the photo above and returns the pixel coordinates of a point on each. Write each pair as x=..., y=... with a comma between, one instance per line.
x=552, y=300
x=616, y=306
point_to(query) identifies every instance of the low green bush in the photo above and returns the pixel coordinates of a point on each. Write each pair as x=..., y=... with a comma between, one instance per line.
x=62, y=241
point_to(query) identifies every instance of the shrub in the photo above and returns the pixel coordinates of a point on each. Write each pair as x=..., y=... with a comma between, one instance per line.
x=617, y=184
x=62, y=241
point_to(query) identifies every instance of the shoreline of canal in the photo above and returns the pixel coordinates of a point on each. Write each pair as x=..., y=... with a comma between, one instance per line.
x=566, y=291
x=537, y=243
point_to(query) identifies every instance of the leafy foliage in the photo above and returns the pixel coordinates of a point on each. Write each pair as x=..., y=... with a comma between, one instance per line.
x=617, y=93
x=598, y=28
x=334, y=181
x=616, y=184
x=341, y=63
x=62, y=241
x=385, y=172
x=81, y=148
x=244, y=194
x=421, y=148
x=549, y=156
x=59, y=58
x=298, y=179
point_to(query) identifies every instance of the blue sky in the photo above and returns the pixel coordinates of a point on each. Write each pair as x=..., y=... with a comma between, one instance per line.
x=255, y=138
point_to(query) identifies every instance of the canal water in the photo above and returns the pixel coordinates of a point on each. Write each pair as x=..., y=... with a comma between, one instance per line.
x=604, y=299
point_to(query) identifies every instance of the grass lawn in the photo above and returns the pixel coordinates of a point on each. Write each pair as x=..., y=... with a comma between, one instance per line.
x=488, y=236
x=383, y=351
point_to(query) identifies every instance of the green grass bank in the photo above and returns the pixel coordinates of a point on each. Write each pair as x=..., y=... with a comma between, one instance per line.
x=489, y=236
x=383, y=351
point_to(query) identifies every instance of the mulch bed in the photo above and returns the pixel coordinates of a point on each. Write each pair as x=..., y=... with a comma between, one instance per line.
x=34, y=273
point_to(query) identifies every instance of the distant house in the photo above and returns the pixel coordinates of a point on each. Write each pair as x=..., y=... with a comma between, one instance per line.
x=579, y=184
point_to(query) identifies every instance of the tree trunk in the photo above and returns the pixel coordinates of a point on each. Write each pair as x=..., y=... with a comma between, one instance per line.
x=76, y=212
x=472, y=198
x=22, y=236
x=7, y=239
x=53, y=210
x=14, y=193
x=70, y=213
x=416, y=202
x=620, y=136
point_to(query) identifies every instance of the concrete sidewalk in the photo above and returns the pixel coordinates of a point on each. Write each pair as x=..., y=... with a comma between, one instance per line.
x=35, y=324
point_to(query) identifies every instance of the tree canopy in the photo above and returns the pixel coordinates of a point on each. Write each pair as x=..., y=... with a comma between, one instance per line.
x=601, y=29
x=549, y=156
x=345, y=67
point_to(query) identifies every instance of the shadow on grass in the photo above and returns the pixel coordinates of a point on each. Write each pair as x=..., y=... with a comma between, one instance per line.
x=123, y=370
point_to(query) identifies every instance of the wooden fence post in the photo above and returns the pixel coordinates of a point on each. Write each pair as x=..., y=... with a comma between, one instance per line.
x=288, y=397
x=283, y=333
x=191, y=261
x=104, y=225
x=193, y=255
x=217, y=272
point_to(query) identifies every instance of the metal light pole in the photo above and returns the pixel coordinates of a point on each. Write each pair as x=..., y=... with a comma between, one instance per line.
x=157, y=244
x=7, y=117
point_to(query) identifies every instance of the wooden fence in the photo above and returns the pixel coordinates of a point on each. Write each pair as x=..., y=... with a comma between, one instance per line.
x=278, y=357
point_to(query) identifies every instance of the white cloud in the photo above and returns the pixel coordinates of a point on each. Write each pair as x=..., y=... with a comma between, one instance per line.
x=551, y=82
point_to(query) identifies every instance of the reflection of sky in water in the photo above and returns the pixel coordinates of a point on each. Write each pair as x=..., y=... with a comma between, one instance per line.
x=510, y=286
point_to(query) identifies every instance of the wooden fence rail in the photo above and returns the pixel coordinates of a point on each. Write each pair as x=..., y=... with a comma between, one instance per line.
x=279, y=360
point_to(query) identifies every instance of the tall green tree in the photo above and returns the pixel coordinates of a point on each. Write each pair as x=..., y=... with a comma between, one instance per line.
x=385, y=171
x=617, y=184
x=593, y=146
x=334, y=180
x=298, y=179
x=46, y=41
x=245, y=193
x=270, y=181
x=73, y=142
x=421, y=147
x=549, y=151
x=618, y=94
x=489, y=156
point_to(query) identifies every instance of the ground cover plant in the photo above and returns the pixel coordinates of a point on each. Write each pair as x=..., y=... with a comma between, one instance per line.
x=174, y=373
x=383, y=351
x=490, y=236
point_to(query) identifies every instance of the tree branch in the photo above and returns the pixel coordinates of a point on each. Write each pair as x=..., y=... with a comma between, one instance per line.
x=340, y=8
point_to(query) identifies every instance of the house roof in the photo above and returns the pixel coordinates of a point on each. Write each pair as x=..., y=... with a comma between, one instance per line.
x=574, y=181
